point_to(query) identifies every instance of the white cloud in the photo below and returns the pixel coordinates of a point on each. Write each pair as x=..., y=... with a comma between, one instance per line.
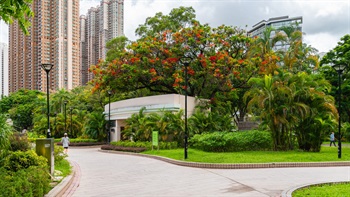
x=323, y=42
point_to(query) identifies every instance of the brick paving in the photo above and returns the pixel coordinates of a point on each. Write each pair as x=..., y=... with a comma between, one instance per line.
x=104, y=174
x=75, y=180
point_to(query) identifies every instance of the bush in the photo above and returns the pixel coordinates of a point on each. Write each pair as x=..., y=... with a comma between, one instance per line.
x=129, y=146
x=79, y=142
x=346, y=132
x=122, y=148
x=18, y=160
x=33, y=181
x=19, y=142
x=58, y=154
x=148, y=145
x=76, y=140
x=232, y=141
x=32, y=136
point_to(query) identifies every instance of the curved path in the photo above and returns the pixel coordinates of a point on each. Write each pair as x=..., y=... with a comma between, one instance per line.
x=105, y=174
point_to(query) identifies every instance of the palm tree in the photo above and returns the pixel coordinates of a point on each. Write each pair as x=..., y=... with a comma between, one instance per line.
x=322, y=111
x=58, y=100
x=95, y=126
x=139, y=127
x=273, y=99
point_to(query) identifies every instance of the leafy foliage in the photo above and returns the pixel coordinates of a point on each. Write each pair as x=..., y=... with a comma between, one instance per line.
x=18, y=160
x=293, y=104
x=219, y=59
x=59, y=154
x=95, y=126
x=148, y=145
x=232, y=141
x=140, y=126
x=19, y=10
x=20, y=106
x=340, y=55
x=206, y=121
x=33, y=181
x=5, y=132
x=19, y=142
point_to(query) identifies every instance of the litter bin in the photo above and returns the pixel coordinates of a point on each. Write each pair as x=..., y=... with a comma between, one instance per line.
x=45, y=148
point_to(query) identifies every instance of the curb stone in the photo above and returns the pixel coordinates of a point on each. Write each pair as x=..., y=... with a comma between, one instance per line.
x=68, y=185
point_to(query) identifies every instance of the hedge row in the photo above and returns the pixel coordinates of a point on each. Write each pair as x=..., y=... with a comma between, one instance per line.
x=76, y=140
x=147, y=145
x=125, y=149
x=232, y=141
x=82, y=143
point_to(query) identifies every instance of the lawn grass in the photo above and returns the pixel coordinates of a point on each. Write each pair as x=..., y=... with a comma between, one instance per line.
x=64, y=167
x=326, y=154
x=324, y=190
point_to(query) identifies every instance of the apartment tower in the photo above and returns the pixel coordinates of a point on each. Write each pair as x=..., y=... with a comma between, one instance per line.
x=53, y=39
x=4, y=70
x=97, y=27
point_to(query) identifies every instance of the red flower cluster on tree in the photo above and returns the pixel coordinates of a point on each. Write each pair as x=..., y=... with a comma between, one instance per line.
x=212, y=58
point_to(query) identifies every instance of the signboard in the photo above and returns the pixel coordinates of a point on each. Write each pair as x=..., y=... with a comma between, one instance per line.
x=154, y=138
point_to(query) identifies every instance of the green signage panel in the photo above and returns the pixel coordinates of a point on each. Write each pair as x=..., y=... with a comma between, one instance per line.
x=155, y=138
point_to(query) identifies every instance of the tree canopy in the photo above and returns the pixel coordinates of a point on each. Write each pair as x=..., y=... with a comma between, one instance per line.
x=220, y=59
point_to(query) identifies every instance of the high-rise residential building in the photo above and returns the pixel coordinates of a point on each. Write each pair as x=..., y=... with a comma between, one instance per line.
x=98, y=26
x=53, y=39
x=4, y=70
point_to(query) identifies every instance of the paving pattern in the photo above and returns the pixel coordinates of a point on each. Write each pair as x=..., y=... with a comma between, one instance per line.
x=105, y=174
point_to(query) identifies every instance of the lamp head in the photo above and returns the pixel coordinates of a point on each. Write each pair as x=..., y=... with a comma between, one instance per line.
x=339, y=67
x=65, y=102
x=46, y=67
x=109, y=92
x=338, y=64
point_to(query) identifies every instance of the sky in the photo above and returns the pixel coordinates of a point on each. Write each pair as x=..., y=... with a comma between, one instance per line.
x=324, y=21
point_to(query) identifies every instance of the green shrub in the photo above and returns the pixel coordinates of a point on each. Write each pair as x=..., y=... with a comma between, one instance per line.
x=32, y=182
x=232, y=141
x=148, y=145
x=208, y=122
x=18, y=160
x=76, y=140
x=346, y=132
x=32, y=136
x=19, y=142
x=59, y=155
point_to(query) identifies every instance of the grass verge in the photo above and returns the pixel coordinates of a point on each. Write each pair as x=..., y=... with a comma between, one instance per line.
x=329, y=189
x=326, y=154
x=64, y=167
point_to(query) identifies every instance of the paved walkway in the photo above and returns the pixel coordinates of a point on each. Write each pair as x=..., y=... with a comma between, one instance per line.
x=106, y=174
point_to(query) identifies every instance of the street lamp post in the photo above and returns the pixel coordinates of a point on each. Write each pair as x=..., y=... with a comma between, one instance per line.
x=71, y=121
x=65, y=117
x=186, y=62
x=109, y=116
x=47, y=68
x=339, y=68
